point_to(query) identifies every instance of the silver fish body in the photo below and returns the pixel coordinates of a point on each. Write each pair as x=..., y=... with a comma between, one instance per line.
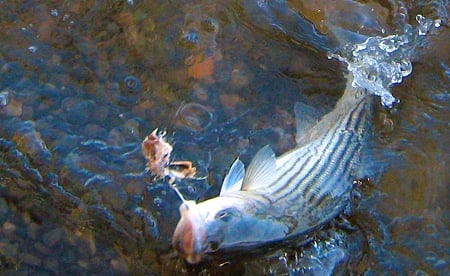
x=280, y=198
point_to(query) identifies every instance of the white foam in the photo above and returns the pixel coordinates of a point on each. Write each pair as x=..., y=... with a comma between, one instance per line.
x=380, y=62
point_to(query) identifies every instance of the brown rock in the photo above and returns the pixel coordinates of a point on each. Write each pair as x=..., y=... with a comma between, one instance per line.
x=51, y=238
x=120, y=265
x=51, y=264
x=8, y=228
x=42, y=248
x=8, y=249
x=230, y=101
x=30, y=259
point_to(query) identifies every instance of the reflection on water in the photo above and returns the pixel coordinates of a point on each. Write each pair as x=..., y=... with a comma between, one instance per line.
x=82, y=83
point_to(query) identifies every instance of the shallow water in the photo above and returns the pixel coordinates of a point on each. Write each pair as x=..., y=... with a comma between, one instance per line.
x=81, y=85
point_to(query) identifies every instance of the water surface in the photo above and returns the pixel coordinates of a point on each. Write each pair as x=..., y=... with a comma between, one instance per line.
x=82, y=83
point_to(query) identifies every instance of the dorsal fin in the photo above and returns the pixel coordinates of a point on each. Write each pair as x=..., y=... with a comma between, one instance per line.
x=233, y=180
x=306, y=117
x=261, y=170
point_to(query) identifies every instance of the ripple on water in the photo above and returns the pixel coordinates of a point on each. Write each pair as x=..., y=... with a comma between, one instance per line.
x=78, y=87
x=120, y=95
x=131, y=84
x=194, y=117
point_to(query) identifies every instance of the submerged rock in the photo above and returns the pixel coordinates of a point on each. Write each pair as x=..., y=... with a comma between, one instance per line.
x=52, y=238
x=29, y=141
x=78, y=111
x=8, y=228
x=9, y=105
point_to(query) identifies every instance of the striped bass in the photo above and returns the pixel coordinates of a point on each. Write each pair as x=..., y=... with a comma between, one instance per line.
x=278, y=198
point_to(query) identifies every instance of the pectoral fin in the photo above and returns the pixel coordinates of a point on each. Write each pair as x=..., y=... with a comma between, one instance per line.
x=261, y=170
x=234, y=177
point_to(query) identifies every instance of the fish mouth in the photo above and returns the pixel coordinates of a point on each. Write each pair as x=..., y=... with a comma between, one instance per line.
x=189, y=234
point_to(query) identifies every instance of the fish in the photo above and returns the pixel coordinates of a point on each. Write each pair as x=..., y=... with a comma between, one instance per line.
x=279, y=198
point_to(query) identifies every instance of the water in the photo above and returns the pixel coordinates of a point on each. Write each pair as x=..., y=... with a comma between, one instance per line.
x=81, y=85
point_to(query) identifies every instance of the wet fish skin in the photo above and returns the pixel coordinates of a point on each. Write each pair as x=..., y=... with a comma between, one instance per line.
x=280, y=198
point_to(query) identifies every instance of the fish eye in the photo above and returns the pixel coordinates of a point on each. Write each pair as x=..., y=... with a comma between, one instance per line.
x=213, y=245
x=223, y=216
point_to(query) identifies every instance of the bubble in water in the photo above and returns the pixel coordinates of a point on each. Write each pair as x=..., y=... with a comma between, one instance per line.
x=395, y=75
x=262, y=3
x=424, y=24
x=387, y=45
x=358, y=48
x=4, y=98
x=132, y=84
x=54, y=12
x=405, y=67
x=379, y=62
x=32, y=49
x=437, y=23
x=191, y=37
x=158, y=202
x=194, y=117
x=420, y=18
x=422, y=30
x=372, y=77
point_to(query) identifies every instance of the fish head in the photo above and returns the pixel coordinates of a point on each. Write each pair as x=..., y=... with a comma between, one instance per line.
x=222, y=223
x=203, y=227
x=237, y=218
x=189, y=233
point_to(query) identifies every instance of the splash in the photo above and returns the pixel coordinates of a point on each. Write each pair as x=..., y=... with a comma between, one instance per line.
x=378, y=63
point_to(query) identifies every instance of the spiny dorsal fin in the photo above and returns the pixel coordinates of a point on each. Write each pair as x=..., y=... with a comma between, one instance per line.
x=234, y=177
x=306, y=117
x=261, y=170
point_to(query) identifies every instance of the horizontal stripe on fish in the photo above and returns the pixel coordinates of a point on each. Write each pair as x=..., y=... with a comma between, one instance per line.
x=303, y=181
x=288, y=173
x=345, y=147
x=297, y=168
x=345, y=161
x=334, y=178
x=281, y=197
x=340, y=159
x=301, y=171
